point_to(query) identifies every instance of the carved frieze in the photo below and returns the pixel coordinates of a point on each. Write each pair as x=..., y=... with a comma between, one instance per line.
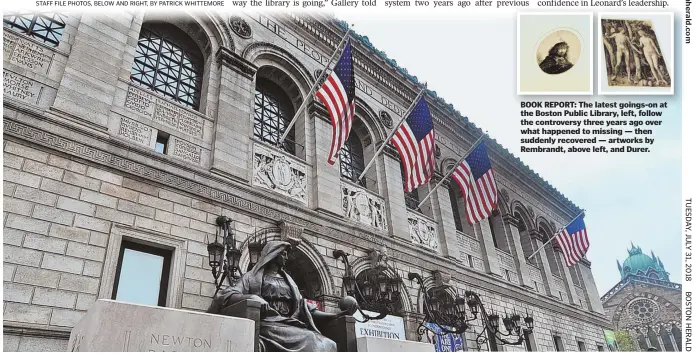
x=362, y=206
x=278, y=172
x=423, y=231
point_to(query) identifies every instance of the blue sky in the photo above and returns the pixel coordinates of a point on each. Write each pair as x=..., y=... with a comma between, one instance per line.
x=471, y=63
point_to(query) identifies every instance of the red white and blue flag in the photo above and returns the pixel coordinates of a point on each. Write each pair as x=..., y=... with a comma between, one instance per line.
x=573, y=241
x=475, y=177
x=414, y=140
x=337, y=94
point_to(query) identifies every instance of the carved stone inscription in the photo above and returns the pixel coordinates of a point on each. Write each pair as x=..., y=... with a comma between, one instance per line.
x=190, y=124
x=140, y=102
x=423, y=231
x=20, y=87
x=135, y=131
x=31, y=56
x=277, y=172
x=26, y=53
x=361, y=206
x=8, y=42
x=187, y=151
x=164, y=112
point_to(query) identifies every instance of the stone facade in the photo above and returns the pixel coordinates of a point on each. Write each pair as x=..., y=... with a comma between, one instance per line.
x=82, y=174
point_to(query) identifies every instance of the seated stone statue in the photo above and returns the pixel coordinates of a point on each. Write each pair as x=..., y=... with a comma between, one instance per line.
x=287, y=320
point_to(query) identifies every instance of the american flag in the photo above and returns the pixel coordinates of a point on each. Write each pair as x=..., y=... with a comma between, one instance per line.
x=573, y=241
x=475, y=177
x=414, y=140
x=337, y=94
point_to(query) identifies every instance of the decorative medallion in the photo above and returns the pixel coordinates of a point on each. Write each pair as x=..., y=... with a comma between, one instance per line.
x=364, y=207
x=437, y=151
x=277, y=172
x=386, y=120
x=240, y=27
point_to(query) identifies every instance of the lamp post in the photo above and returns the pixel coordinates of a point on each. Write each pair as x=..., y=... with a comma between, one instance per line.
x=375, y=290
x=446, y=314
x=225, y=265
x=513, y=333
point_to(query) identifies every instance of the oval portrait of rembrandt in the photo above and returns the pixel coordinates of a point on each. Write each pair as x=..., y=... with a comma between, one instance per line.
x=558, y=51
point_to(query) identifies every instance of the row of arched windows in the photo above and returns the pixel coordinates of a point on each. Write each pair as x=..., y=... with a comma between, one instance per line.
x=169, y=62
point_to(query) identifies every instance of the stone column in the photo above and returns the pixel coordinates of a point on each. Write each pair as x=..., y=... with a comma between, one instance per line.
x=644, y=332
x=513, y=236
x=675, y=345
x=489, y=255
x=390, y=185
x=327, y=195
x=545, y=269
x=101, y=45
x=657, y=329
x=589, y=287
x=232, y=153
x=443, y=214
x=566, y=275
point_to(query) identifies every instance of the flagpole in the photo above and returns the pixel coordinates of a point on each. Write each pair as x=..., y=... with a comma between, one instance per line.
x=313, y=88
x=451, y=170
x=555, y=235
x=385, y=142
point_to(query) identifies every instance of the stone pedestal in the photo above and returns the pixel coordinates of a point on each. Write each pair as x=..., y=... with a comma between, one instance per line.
x=373, y=344
x=114, y=326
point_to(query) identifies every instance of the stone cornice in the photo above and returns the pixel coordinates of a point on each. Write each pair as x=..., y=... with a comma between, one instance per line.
x=228, y=58
x=214, y=188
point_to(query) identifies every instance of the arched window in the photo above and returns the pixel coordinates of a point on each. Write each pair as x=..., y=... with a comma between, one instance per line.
x=411, y=198
x=459, y=210
x=168, y=62
x=552, y=256
x=496, y=225
x=46, y=27
x=526, y=241
x=272, y=113
x=352, y=160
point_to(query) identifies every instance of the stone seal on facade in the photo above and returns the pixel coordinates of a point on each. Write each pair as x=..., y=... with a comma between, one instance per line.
x=240, y=27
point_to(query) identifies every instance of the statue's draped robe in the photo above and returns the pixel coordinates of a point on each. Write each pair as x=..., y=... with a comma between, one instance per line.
x=296, y=332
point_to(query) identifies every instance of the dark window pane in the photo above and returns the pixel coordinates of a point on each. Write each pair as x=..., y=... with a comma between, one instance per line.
x=271, y=115
x=167, y=61
x=45, y=27
x=352, y=160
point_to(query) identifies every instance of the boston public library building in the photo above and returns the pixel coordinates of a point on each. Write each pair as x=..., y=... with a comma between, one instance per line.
x=145, y=167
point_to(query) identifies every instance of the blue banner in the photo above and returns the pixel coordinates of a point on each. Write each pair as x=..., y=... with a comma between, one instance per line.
x=444, y=342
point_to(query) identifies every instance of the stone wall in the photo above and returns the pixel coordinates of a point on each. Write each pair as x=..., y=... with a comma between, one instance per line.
x=81, y=176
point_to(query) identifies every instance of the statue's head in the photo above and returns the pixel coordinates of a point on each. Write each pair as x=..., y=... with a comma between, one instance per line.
x=274, y=252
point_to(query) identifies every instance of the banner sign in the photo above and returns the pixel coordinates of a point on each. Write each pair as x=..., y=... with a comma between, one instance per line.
x=444, y=342
x=390, y=327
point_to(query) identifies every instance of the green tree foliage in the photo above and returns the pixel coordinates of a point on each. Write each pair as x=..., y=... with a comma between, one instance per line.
x=624, y=342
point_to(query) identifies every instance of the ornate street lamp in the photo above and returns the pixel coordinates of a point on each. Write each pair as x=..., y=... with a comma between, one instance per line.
x=374, y=289
x=513, y=333
x=444, y=314
x=225, y=265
